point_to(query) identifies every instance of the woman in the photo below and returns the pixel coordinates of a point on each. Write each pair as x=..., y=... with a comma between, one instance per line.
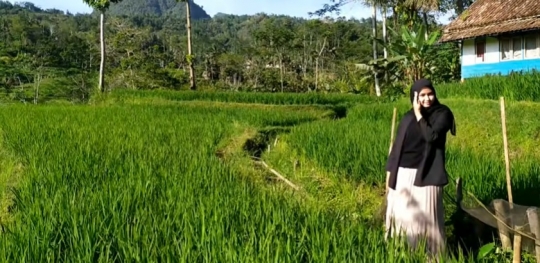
x=416, y=172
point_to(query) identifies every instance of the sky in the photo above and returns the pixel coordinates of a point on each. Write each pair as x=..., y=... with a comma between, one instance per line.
x=298, y=8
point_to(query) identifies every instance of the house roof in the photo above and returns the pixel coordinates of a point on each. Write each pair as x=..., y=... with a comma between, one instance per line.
x=493, y=17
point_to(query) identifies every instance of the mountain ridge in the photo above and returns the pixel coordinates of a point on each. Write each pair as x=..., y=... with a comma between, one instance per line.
x=157, y=8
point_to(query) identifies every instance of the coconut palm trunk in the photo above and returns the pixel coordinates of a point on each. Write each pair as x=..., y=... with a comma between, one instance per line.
x=101, y=85
x=192, y=83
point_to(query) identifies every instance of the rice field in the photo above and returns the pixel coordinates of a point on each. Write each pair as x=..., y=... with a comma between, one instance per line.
x=167, y=178
x=356, y=147
x=519, y=86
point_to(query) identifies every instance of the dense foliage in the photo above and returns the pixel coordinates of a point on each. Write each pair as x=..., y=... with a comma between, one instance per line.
x=46, y=54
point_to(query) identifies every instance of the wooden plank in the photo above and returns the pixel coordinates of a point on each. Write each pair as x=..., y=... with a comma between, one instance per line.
x=532, y=215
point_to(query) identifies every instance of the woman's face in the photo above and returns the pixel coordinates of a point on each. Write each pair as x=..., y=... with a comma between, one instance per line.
x=426, y=97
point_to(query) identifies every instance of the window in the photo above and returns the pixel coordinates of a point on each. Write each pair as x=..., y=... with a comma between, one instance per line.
x=510, y=48
x=480, y=50
x=517, y=48
x=506, y=49
x=531, y=46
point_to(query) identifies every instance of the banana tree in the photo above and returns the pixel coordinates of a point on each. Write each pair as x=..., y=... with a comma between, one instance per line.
x=414, y=50
x=377, y=68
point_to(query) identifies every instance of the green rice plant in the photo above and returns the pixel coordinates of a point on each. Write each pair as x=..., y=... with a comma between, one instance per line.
x=143, y=183
x=356, y=148
x=515, y=86
x=124, y=95
x=143, y=180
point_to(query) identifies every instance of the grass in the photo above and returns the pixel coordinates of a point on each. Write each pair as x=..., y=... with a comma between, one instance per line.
x=139, y=183
x=168, y=177
x=130, y=96
x=518, y=86
x=356, y=148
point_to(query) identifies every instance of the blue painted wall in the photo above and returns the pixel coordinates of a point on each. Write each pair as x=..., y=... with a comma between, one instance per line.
x=503, y=67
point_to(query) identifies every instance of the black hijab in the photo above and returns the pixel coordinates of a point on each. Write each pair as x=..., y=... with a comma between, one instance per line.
x=436, y=107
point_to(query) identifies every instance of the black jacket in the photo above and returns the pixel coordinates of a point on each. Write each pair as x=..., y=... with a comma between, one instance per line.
x=432, y=170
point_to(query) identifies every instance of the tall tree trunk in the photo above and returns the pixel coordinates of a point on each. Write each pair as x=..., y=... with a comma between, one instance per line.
x=281, y=70
x=304, y=60
x=385, y=37
x=424, y=15
x=395, y=17
x=374, y=24
x=101, y=85
x=317, y=64
x=192, y=84
x=316, y=74
x=384, y=33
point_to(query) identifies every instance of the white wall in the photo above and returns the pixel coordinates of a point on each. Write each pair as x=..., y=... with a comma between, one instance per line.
x=491, y=55
x=522, y=58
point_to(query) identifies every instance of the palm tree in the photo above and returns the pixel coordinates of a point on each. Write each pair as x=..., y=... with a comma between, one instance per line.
x=383, y=4
x=101, y=6
x=190, y=57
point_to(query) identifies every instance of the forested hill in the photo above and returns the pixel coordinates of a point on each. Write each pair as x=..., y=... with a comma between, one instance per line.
x=156, y=7
x=131, y=8
x=60, y=53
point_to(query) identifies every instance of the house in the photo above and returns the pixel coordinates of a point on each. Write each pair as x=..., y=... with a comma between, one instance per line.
x=497, y=37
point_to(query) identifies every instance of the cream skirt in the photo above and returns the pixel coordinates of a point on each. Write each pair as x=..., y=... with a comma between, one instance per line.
x=417, y=211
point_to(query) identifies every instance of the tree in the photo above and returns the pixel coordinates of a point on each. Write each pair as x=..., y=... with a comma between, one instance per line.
x=415, y=51
x=336, y=6
x=258, y=53
x=457, y=6
x=190, y=57
x=101, y=6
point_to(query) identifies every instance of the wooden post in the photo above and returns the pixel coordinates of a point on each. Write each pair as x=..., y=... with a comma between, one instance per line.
x=382, y=210
x=459, y=192
x=502, y=212
x=532, y=215
x=393, y=129
x=506, y=157
x=517, y=247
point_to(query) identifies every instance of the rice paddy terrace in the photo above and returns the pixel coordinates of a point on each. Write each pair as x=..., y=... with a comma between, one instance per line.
x=193, y=177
